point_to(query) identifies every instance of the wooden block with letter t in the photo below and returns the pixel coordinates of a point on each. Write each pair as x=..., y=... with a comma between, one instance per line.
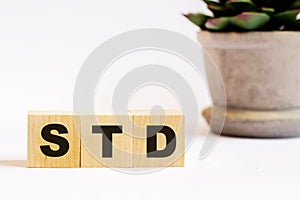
x=158, y=139
x=53, y=140
x=107, y=141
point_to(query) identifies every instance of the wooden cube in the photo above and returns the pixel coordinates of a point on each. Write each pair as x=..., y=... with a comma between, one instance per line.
x=53, y=140
x=144, y=126
x=116, y=151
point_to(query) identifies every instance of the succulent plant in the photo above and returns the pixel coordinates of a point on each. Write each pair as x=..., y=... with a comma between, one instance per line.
x=249, y=15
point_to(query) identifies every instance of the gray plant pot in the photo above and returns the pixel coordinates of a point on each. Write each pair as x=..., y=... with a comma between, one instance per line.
x=261, y=76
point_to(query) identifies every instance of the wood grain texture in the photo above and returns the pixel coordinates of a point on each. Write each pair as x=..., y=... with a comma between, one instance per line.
x=91, y=147
x=35, y=157
x=172, y=119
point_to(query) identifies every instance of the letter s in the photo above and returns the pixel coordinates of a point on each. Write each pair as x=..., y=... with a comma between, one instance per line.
x=60, y=141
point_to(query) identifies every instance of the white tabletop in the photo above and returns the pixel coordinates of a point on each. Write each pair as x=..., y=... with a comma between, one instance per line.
x=237, y=168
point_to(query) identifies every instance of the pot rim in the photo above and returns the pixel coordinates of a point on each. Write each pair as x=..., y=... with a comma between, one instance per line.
x=257, y=39
x=249, y=32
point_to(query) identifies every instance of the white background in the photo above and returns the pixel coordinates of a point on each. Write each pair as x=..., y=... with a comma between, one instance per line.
x=42, y=46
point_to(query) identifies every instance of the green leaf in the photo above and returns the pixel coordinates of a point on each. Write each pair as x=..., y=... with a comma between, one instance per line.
x=219, y=10
x=240, y=5
x=217, y=24
x=250, y=20
x=295, y=5
x=269, y=11
x=289, y=18
x=208, y=2
x=197, y=18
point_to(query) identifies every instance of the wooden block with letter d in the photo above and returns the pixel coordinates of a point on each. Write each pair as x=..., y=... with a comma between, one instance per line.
x=107, y=141
x=53, y=140
x=158, y=139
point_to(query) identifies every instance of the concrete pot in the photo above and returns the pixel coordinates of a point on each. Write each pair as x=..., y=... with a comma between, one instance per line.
x=261, y=75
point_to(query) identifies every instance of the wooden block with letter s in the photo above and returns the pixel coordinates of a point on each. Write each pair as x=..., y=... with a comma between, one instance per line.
x=53, y=140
